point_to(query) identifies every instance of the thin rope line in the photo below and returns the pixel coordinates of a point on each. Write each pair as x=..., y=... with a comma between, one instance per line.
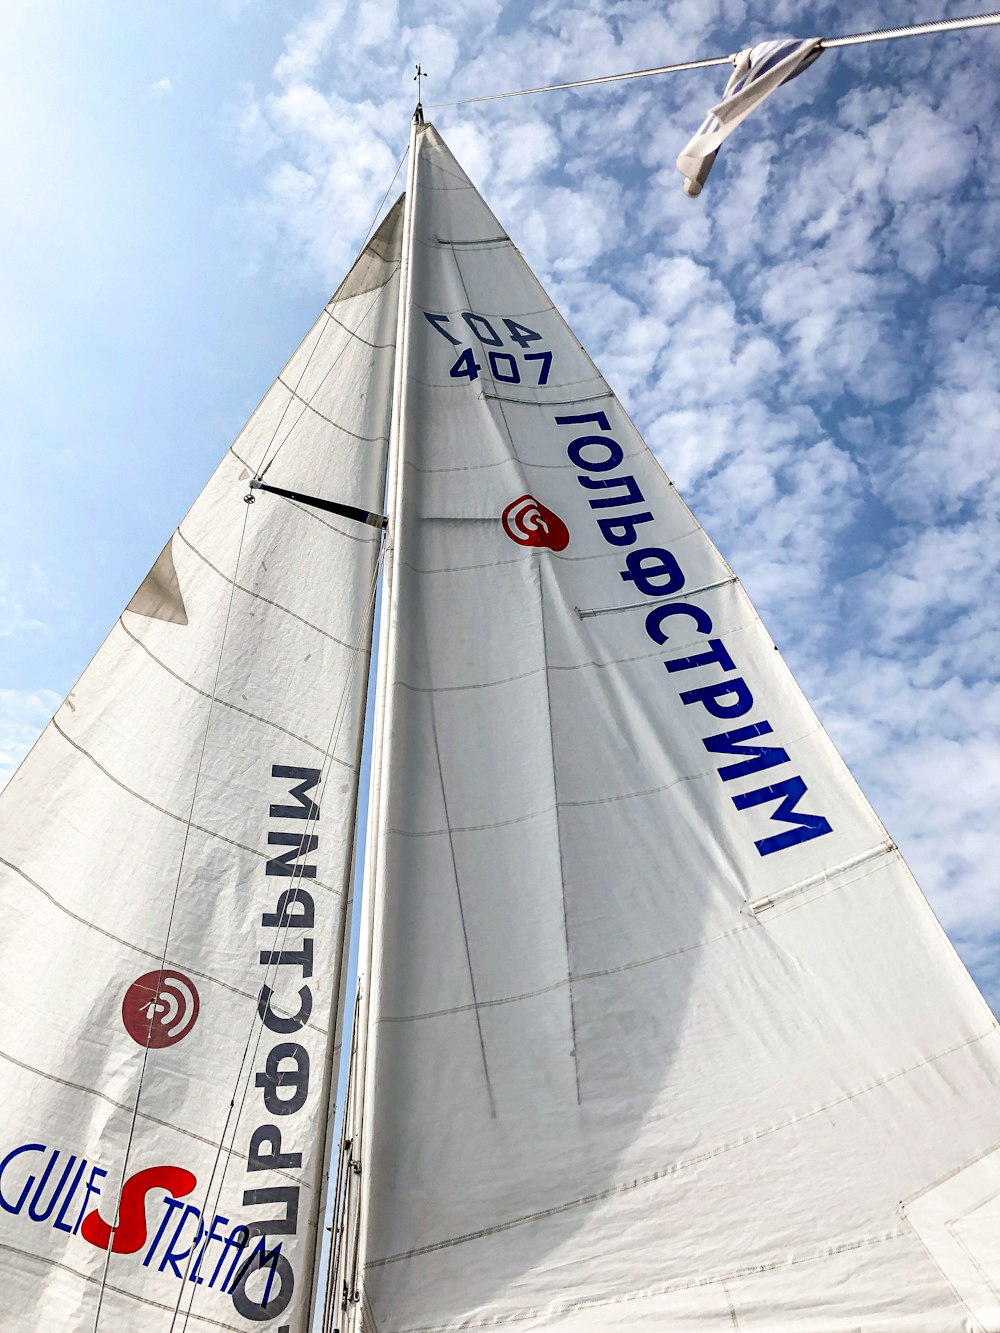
x=277, y=944
x=170, y=921
x=879, y=35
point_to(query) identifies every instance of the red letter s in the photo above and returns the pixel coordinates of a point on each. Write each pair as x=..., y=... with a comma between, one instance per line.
x=130, y=1233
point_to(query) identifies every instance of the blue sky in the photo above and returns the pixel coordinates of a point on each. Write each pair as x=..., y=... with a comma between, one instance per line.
x=810, y=347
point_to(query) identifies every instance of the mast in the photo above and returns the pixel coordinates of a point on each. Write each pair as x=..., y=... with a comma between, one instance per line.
x=346, y=1273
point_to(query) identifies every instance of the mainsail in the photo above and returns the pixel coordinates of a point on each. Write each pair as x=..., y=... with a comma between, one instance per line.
x=176, y=861
x=658, y=1031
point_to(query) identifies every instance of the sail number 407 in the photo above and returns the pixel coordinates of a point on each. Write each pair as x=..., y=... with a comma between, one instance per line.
x=504, y=366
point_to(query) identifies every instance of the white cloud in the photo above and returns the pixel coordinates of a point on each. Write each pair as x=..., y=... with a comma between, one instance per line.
x=161, y=88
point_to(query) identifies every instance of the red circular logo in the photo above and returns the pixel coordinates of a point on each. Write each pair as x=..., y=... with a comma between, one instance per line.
x=160, y=1008
x=528, y=522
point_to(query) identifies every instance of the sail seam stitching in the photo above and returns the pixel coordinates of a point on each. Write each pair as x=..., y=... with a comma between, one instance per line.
x=674, y=1168
x=118, y=1291
x=143, y=1115
x=669, y=1288
x=528, y=555
x=505, y=462
x=244, y=712
x=559, y=851
x=129, y=944
x=180, y=819
x=591, y=663
x=377, y=347
x=461, y=915
x=310, y=407
x=546, y=810
x=269, y=601
x=596, y=975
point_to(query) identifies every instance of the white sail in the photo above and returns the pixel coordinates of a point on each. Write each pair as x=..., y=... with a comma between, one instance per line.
x=663, y=1035
x=176, y=854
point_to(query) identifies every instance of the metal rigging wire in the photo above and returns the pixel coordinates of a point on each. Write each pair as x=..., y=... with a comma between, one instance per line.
x=827, y=43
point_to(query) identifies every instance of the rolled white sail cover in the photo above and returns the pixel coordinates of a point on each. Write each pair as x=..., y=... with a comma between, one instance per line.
x=666, y=1032
x=175, y=861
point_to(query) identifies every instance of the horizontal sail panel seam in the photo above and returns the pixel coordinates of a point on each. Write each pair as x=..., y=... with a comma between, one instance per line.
x=576, y=401
x=364, y=535
x=180, y=819
x=612, y=556
x=244, y=712
x=585, y=613
x=670, y=1288
x=548, y=809
x=652, y=655
x=269, y=601
x=596, y=975
x=555, y=402
x=119, y=1291
x=157, y=955
x=143, y=1115
x=674, y=1168
x=378, y=347
x=456, y=311
x=486, y=467
x=308, y=406
x=436, y=386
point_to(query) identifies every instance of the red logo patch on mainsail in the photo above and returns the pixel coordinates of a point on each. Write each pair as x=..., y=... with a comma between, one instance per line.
x=160, y=1008
x=130, y=1233
x=528, y=522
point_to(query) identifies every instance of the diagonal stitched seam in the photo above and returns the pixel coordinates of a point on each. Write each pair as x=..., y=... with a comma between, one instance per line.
x=244, y=712
x=119, y=1291
x=597, y=974
x=118, y=939
x=378, y=347
x=170, y=814
x=268, y=601
x=142, y=1115
x=548, y=809
x=669, y=1288
x=310, y=407
x=674, y=1168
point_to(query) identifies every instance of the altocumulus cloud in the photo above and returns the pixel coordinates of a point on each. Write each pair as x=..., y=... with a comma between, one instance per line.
x=809, y=348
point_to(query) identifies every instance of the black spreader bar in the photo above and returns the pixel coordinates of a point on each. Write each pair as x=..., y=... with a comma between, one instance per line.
x=331, y=506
